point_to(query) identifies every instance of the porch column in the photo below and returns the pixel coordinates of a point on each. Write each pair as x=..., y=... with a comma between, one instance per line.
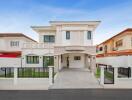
x=15, y=75
x=59, y=59
x=131, y=72
x=93, y=64
x=115, y=74
x=102, y=75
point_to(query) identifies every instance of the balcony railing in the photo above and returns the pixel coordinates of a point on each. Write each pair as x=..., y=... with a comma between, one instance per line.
x=38, y=45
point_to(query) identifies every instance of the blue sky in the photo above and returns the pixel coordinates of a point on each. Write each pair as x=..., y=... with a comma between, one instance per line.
x=19, y=15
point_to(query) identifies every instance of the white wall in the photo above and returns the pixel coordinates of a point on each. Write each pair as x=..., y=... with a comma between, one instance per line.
x=10, y=62
x=5, y=43
x=38, y=52
x=76, y=63
x=118, y=61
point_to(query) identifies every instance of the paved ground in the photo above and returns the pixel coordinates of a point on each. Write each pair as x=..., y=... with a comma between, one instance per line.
x=75, y=78
x=25, y=84
x=68, y=94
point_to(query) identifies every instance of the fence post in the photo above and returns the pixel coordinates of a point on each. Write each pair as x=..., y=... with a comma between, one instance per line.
x=15, y=75
x=51, y=75
x=102, y=75
x=115, y=74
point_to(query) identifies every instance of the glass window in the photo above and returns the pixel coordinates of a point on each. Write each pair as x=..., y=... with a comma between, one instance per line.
x=48, y=61
x=67, y=35
x=14, y=43
x=119, y=43
x=49, y=38
x=32, y=59
x=89, y=35
x=77, y=58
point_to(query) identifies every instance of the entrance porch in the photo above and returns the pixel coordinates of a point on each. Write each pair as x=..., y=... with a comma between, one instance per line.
x=75, y=60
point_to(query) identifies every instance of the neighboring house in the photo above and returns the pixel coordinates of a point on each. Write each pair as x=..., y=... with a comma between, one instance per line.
x=116, y=54
x=64, y=44
x=120, y=44
x=11, y=44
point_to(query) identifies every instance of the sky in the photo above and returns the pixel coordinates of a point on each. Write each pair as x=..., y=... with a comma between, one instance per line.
x=19, y=15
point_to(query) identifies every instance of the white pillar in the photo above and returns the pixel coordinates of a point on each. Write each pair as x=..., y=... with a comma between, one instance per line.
x=102, y=75
x=59, y=57
x=115, y=74
x=93, y=64
x=51, y=72
x=15, y=75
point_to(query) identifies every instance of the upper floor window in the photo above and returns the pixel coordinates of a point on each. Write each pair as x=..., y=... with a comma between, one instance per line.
x=67, y=35
x=89, y=35
x=101, y=49
x=49, y=38
x=119, y=43
x=14, y=43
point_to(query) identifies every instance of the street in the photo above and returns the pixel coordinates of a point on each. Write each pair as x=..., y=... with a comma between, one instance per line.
x=68, y=94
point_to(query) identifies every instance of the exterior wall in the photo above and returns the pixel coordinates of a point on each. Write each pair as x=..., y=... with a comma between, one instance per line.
x=116, y=61
x=73, y=63
x=76, y=63
x=5, y=43
x=111, y=44
x=10, y=62
x=78, y=35
x=36, y=52
x=42, y=33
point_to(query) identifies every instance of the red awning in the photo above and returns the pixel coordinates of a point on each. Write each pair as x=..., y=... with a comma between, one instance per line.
x=9, y=55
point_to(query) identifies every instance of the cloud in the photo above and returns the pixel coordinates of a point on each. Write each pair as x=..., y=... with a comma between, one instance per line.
x=114, y=18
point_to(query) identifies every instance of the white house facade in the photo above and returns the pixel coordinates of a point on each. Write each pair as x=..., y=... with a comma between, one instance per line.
x=63, y=44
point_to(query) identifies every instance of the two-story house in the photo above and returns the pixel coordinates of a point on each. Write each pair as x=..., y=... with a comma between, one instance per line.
x=120, y=44
x=11, y=44
x=64, y=44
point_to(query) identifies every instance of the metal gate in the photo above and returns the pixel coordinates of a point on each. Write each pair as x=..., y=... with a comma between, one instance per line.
x=7, y=72
x=108, y=75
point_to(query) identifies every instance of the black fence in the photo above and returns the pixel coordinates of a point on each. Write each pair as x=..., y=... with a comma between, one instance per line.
x=108, y=75
x=6, y=72
x=39, y=72
x=124, y=72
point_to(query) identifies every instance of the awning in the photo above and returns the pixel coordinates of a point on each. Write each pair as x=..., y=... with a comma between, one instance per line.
x=10, y=55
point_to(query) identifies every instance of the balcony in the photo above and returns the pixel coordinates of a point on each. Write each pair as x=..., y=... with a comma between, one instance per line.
x=38, y=46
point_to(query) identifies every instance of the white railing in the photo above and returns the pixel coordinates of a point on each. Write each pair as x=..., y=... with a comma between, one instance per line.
x=118, y=61
x=10, y=62
x=37, y=45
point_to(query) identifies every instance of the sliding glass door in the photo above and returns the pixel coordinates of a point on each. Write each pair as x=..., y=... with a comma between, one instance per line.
x=48, y=61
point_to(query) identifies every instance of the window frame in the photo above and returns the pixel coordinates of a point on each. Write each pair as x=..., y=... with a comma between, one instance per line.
x=119, y=43
x=68, y=35
x=49, y=38
x=14, y=43
x=32, y=59
x=89, y=35
x=76, y=58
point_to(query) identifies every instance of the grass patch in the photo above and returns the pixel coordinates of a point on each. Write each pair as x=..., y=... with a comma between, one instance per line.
x=108, y=75
x=97, y=74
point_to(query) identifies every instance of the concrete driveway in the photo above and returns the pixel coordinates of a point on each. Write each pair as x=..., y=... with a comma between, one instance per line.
x=75, y=78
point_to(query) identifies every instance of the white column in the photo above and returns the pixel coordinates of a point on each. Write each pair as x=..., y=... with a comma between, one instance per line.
x=59, y=57
x=15, y=75
x=115, y=74
x=51, y=72
x=102, y=75
x=93, y=64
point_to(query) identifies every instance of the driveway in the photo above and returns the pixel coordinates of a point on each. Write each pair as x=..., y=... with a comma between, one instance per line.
x=75, y=78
